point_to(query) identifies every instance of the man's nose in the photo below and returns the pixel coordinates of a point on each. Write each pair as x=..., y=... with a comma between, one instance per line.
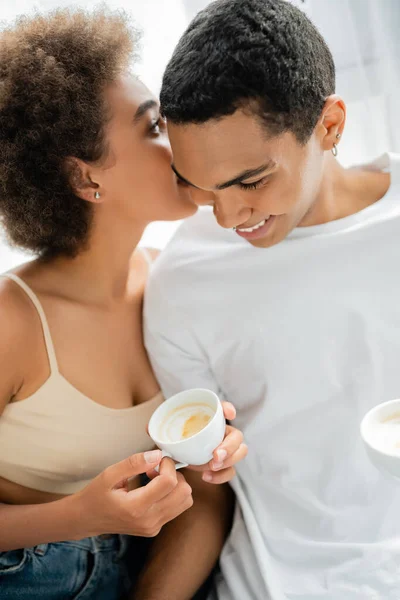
x=230, y=212
x=228, y=209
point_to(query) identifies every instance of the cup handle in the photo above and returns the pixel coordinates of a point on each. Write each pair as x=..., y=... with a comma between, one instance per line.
x=178, y=465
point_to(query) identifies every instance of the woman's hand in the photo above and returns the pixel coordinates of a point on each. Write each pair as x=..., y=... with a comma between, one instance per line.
x=107, y=506
x=221, y=469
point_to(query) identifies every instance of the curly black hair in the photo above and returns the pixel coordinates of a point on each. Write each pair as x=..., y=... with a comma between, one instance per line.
x=54, y=69
x=261, y=55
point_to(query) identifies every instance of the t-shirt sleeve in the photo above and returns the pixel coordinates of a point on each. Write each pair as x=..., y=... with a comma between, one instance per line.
x=176, y=355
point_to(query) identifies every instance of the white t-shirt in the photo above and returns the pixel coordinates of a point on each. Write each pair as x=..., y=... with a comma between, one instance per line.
x=304, y=338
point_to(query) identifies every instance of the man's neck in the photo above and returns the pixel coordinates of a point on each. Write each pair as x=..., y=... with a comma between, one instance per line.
x=344, y=192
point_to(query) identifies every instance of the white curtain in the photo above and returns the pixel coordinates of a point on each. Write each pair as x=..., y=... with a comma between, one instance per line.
x=364, y=38
x=362, y=34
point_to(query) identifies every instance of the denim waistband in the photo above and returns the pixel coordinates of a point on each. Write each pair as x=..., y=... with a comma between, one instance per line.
x=99, y=543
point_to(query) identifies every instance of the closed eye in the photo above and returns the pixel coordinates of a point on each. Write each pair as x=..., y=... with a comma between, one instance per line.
x=254, y=185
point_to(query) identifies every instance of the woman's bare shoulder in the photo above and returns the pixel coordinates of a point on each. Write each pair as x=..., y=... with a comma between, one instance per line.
x=18, y=337
x=15, y=310
x=141, y=263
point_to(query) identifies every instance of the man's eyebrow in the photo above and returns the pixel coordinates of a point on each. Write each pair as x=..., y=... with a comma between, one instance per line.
x=238, y=179
x=143, y=108
x=181, y=176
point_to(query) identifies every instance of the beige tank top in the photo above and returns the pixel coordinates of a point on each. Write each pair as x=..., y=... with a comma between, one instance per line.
x=58, y=439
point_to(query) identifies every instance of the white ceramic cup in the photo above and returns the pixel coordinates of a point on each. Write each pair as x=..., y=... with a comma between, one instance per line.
x=167, y=423
x=380, y=431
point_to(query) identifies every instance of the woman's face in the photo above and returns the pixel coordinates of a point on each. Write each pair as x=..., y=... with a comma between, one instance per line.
x=136, y=181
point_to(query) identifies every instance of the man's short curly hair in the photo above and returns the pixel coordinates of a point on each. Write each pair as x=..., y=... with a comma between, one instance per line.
x=53, y=72
x=262, y=55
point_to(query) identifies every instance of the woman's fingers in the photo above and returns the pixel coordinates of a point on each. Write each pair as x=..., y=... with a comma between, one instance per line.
x=236, y=457
x=179, y=500
x=222, y=476
x=231, y=443
x=161, y=486
x=226, y=472
x=229, y=410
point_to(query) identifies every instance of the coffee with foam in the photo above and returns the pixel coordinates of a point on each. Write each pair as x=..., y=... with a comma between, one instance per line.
x=189, y=426
x=185, y=421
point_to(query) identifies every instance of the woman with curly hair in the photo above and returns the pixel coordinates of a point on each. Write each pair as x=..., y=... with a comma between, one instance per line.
x=85, y=166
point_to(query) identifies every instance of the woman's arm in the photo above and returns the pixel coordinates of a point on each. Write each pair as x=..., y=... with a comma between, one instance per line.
x=106, y=505
x=28, y=525
x=25, y=526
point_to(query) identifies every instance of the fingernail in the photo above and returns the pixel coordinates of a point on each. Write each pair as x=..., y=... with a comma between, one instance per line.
x=217, y=465
x=221, y=455
x=207, y=477
x=153, y=456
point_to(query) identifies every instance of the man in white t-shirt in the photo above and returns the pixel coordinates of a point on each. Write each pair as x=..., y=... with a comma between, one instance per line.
x=284, y=297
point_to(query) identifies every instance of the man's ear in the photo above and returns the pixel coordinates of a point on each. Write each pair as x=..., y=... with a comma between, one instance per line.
x=332, y=121
x=82, y=177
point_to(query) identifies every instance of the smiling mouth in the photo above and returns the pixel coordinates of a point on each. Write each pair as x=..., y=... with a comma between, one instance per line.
x=253, y=228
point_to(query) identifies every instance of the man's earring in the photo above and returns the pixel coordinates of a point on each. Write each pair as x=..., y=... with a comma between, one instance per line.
x=335, y=149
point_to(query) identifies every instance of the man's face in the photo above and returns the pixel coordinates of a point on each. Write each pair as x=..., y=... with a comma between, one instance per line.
x=249, y=178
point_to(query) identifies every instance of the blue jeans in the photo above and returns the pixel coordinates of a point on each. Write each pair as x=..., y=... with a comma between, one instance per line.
x=93, y=568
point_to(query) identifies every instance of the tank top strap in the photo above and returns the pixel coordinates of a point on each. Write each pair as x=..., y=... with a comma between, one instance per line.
x=45, y=326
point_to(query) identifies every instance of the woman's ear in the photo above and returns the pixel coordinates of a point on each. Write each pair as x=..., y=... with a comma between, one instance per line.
x=82, y=177
x=332, y=121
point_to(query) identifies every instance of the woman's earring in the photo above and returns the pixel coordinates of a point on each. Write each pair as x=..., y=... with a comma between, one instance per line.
x=97, y=195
